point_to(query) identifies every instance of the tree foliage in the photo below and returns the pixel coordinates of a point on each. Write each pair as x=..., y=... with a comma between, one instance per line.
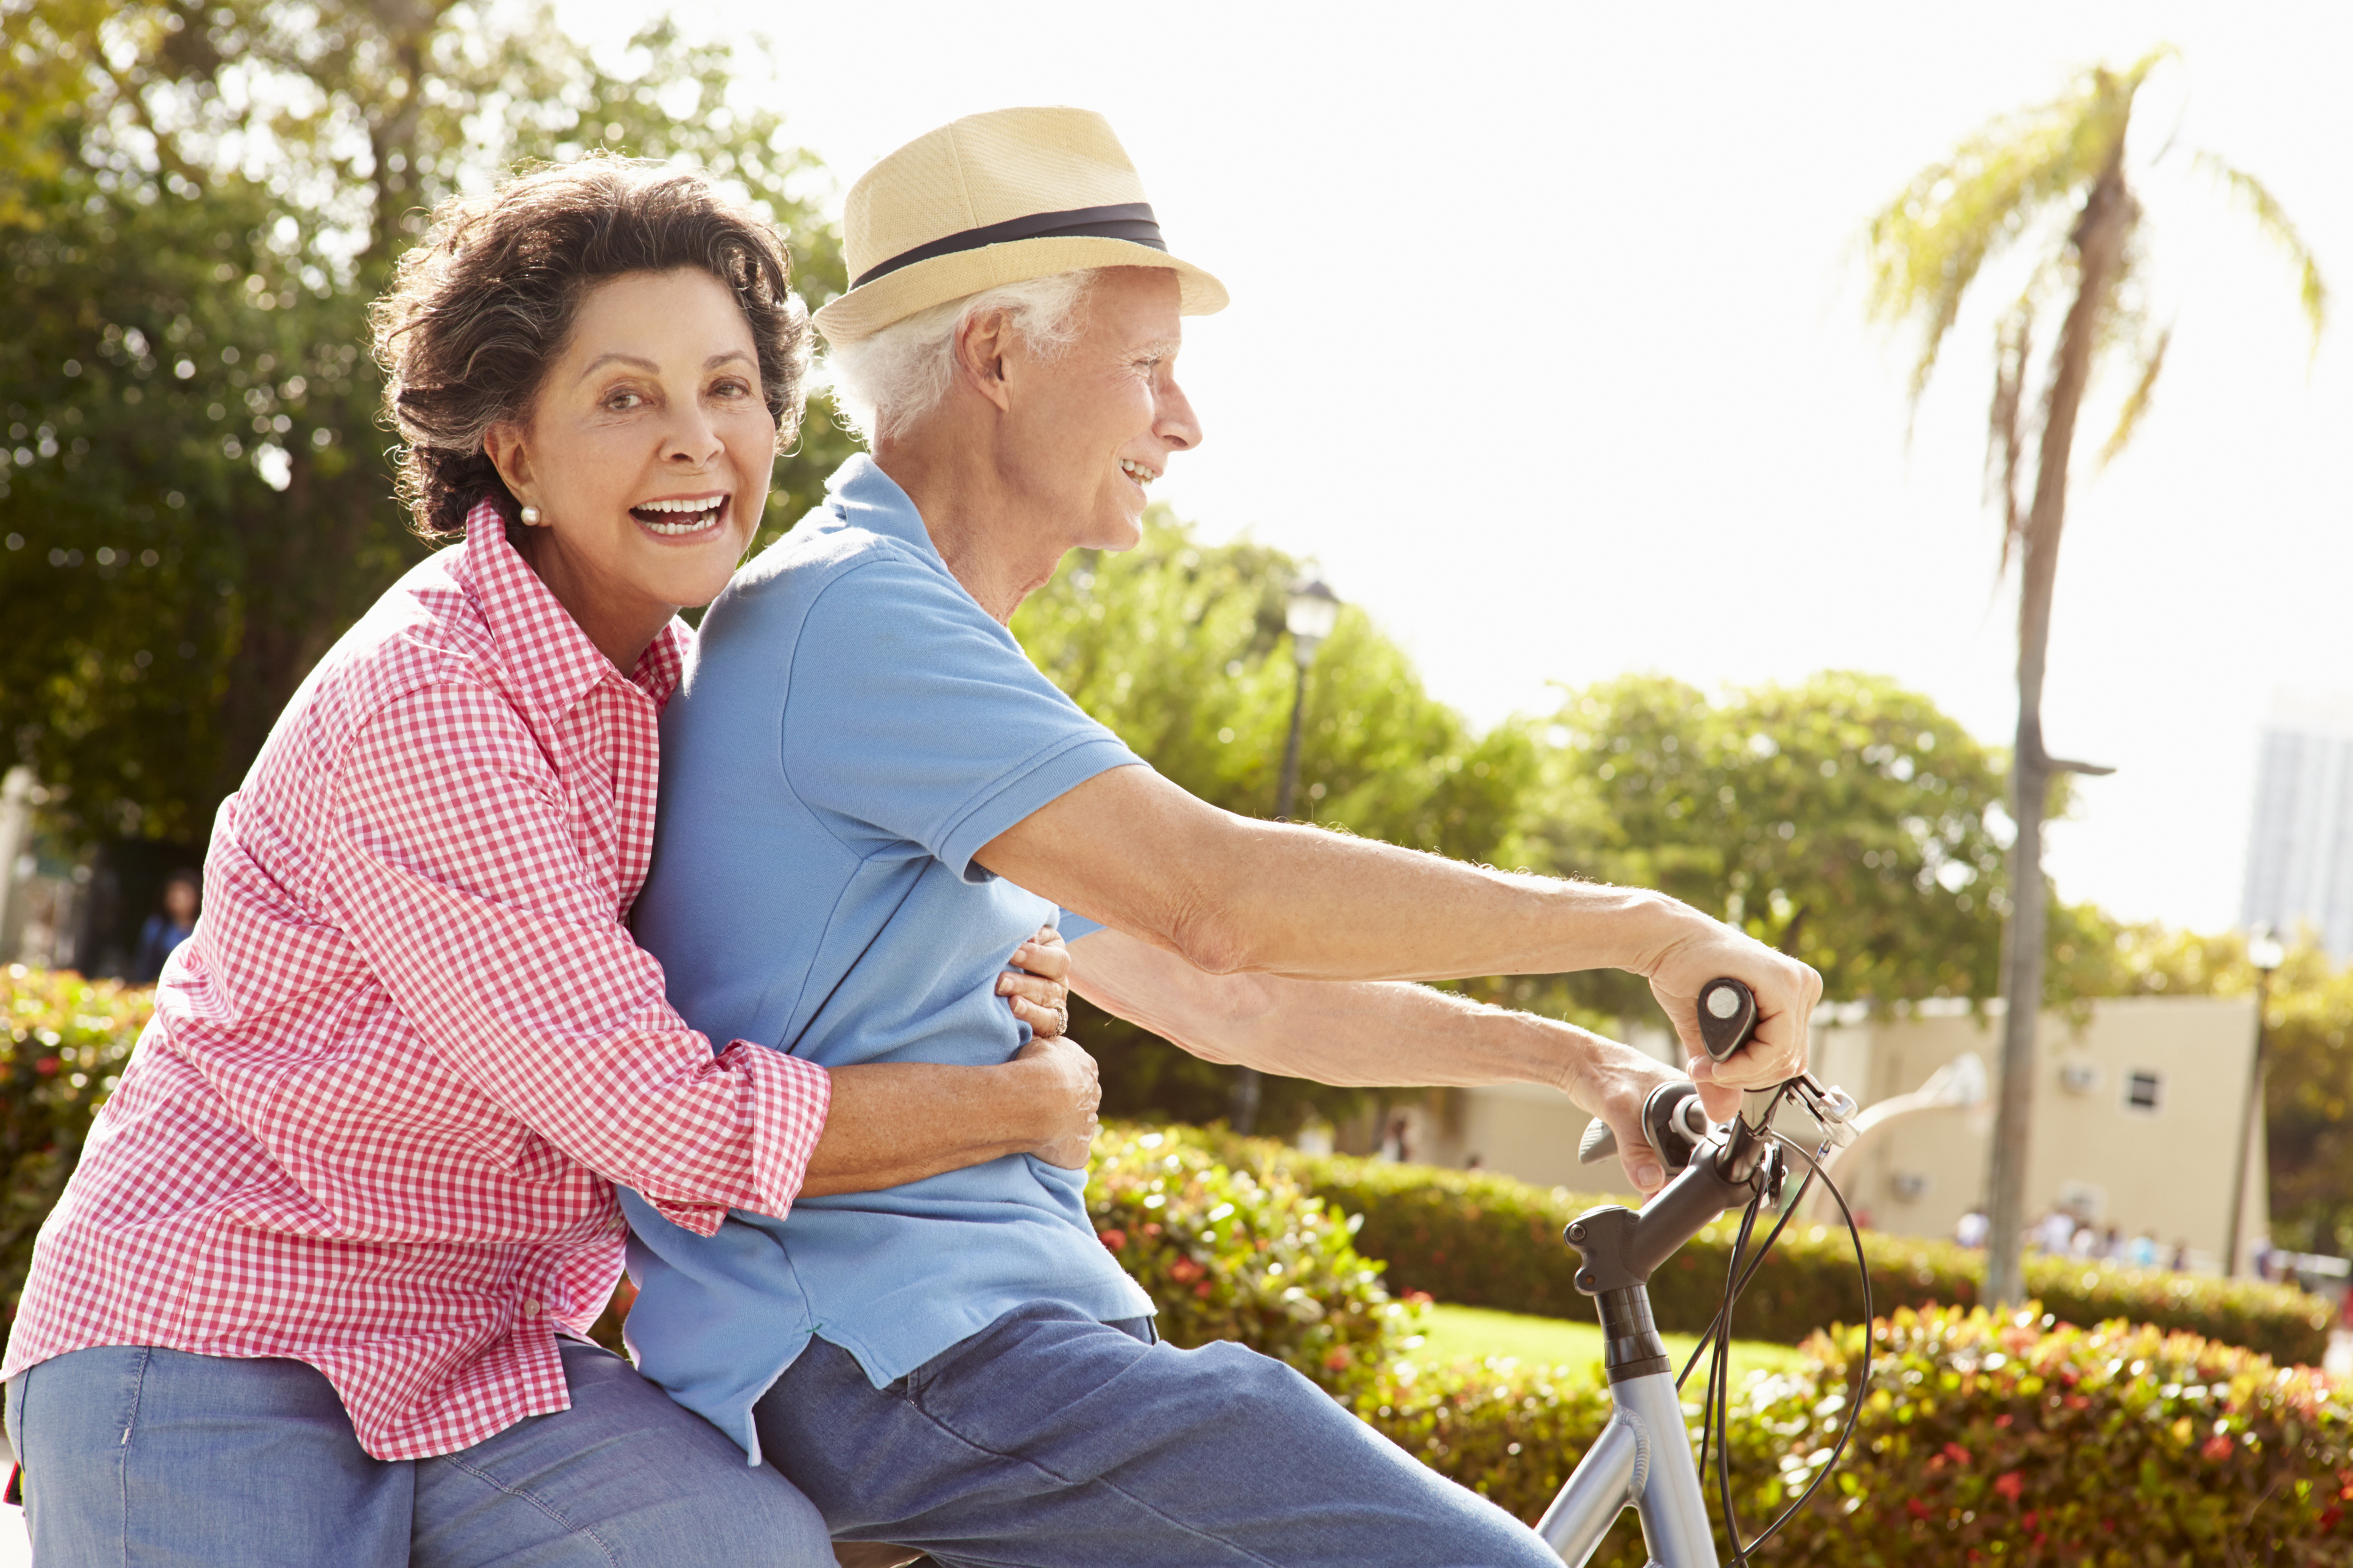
x=1179, y=647
x=1844, y=820
x=196, y=203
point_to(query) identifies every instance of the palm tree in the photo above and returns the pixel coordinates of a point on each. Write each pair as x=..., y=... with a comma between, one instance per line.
x=2050, y=180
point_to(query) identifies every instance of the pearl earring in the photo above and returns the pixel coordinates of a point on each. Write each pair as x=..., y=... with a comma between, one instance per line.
x=531, y=517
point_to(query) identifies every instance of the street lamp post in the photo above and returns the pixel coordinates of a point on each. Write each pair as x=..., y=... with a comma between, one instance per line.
x=2264, y=952
x=1309, y=615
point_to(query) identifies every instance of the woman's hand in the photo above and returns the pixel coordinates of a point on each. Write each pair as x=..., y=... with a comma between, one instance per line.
x=1036, y=984
x=1061, y=1083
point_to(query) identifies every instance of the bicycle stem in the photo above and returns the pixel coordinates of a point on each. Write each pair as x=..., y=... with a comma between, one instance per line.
x=1622, y=1247
x=1643, y=1458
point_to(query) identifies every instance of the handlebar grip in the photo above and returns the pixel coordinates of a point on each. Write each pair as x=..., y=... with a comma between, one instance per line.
x=1727, y=1017
x=1672, y=1120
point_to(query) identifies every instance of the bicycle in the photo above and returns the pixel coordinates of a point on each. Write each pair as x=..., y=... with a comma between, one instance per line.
x=1633, y=1463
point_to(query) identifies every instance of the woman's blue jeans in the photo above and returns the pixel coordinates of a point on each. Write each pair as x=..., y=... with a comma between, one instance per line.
x=138, y=1456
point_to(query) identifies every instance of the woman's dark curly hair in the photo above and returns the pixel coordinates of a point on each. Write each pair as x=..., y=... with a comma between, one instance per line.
x=485, y=303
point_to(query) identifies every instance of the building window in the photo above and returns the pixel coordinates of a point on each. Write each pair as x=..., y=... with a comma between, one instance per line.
x=2144, y=1091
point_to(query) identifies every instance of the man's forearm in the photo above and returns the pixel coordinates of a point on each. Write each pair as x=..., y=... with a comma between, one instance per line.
x=1340, y=1031
x=1231, y=895
x=1369, y=1033
x=1234, y=894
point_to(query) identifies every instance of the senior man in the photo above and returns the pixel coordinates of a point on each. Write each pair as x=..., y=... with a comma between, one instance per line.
x=870, y=794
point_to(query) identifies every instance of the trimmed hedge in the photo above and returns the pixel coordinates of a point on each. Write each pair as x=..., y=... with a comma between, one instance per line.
x=1981, y=1440
x=1481, y=1240
x=63, y=1043
x=1237, y=1254
x=2017, y=1440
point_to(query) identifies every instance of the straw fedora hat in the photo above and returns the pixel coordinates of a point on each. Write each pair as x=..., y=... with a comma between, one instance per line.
x=994, y=199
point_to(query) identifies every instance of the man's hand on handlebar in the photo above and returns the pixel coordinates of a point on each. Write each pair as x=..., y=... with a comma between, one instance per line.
x=1615, y=1082
x=1786, y=992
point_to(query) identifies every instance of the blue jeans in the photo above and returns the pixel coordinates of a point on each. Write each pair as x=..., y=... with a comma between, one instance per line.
x=134, y=1455
x=1053, y=1441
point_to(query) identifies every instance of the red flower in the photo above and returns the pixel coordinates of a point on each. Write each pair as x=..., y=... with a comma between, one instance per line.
x=1202, y=1289
x=47, y=1067
x=1184, y=1269
x=1336, y=1361
x=2217, y=1448
x=1114, y=1240
x=1956, y=1453
x=1419, y=1297
x=2009, y=1483
x=1918, y=1509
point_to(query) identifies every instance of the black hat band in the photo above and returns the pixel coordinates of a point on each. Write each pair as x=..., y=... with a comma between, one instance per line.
x=1131, y=221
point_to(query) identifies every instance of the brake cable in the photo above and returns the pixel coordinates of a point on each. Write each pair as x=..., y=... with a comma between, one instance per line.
x=1715, y=1341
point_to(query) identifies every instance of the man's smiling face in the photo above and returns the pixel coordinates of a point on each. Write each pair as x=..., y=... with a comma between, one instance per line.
x=1096, y=424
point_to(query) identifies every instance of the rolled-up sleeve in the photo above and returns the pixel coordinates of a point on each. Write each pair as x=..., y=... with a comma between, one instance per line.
x=456, y=863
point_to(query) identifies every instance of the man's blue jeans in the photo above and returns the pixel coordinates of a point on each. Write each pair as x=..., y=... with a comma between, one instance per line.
x=141, y=1457
x=1052, y=1441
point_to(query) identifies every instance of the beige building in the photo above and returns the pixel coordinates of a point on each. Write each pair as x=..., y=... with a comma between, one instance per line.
x=2136, y=1110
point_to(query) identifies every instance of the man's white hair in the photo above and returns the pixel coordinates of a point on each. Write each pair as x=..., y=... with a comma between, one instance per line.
x=884, y=382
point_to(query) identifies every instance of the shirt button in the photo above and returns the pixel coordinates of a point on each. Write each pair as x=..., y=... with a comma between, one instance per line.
x=529, y=1307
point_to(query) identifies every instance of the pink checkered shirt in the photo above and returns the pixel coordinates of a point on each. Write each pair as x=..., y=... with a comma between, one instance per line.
x=391, y=1081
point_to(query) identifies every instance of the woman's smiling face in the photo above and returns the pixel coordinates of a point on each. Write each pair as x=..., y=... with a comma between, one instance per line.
x=646, y=455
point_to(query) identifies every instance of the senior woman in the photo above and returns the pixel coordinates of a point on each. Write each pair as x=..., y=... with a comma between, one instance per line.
x=958, y=1363
x=318, y=1291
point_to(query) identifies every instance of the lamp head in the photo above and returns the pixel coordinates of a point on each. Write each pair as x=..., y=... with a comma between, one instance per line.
x=1309, y=613
x=2265, y=950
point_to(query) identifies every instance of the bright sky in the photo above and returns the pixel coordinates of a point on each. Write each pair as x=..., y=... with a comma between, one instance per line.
x=1548, y=342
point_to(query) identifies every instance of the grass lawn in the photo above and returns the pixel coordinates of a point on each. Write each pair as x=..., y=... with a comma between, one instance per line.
x=1455, y=1332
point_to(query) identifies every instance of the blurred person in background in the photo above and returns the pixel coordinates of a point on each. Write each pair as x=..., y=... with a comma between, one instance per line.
x=167, y=928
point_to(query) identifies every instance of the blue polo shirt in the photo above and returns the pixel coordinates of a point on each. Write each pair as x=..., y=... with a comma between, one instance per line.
x=850, y=730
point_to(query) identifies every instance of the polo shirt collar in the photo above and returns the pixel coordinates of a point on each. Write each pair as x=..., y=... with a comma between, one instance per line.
x=541, y=646
x=862, y=496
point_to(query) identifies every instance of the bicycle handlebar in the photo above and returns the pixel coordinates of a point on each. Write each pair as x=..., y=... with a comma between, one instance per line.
x=1672, y=1117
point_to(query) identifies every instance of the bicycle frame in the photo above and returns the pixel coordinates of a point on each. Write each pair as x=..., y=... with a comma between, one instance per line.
x=1644, y=1458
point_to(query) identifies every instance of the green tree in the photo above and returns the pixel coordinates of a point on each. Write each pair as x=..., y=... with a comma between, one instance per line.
x=2052, y=178
x=196, y=202
x=1843, y=820
x=1174, y=645
x=1179, y=647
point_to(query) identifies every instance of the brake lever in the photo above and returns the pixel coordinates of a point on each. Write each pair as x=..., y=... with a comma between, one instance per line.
x=1833, y=1107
